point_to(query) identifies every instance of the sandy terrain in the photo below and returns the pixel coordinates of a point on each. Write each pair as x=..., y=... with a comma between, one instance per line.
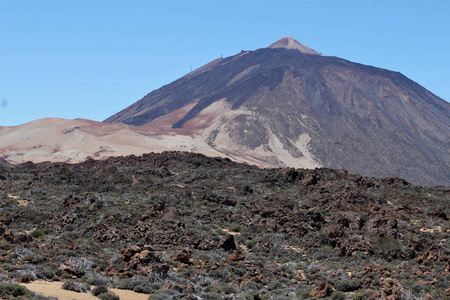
x=53, y=289
x=72, y=141
x=75, y=140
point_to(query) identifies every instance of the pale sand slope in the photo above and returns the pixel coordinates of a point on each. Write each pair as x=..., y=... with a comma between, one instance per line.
x=54, y=289
x=72, y=141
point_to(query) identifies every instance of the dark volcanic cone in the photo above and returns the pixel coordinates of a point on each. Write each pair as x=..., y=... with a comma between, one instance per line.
x=288, y=105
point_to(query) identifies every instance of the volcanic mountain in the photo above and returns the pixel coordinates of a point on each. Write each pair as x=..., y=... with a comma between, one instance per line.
x=289, y=105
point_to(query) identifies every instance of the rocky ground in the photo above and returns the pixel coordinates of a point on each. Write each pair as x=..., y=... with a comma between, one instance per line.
x=184, y=226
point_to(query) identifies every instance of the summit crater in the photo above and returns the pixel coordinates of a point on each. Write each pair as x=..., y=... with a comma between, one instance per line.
x=291, y=43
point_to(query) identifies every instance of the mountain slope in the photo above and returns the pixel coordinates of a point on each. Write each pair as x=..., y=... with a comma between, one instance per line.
x=61, y=140
x=288, y=105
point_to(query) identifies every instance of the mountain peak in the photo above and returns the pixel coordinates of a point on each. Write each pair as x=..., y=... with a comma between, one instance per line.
x=291, y=43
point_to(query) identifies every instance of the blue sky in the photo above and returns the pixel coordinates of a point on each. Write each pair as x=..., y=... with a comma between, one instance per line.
x=90, y=59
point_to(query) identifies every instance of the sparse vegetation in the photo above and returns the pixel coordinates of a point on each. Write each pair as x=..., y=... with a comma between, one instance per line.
x=76, y=287
x=190, y=225
x=37, y=234
x=9, y=290
x=99, y=290
x=108, y=296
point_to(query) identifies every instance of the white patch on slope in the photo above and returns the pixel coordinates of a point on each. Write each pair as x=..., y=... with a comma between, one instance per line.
x=224, y=144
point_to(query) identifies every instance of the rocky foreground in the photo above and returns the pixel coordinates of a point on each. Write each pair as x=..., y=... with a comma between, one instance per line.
x=184, y=226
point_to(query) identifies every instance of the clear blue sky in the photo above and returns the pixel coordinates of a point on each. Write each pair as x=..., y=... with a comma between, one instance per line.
x=90, y=59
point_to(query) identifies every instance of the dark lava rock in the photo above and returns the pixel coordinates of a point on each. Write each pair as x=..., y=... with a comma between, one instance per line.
x=227, y=242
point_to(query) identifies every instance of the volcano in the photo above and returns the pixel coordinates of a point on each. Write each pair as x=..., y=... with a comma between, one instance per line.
x=289, y=105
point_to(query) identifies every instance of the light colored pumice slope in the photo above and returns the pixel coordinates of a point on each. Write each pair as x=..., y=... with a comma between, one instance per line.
x=76, y=140
x=224, y=130
x=61, y=140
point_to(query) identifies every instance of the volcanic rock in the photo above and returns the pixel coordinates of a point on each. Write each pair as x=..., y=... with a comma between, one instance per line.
x=128, y=253
x=8, y=236
x=146, y=256
x=447, y=292
x=381, y=226
x=24, y=279
x=321, y=291
x=227, y=242
x=183, y=256
x=333, y=231
x=236, y=256
x=427, y=257
x=71, y=269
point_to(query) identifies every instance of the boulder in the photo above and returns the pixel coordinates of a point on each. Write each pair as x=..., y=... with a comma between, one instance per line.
x=183, y=256
x=236, y=256
x=146, y=256
x=321, y=291
x=128, y=253
x=71, y=269
x=9, y=236
x=24, y=279
x=447, y=292
x=227, y=242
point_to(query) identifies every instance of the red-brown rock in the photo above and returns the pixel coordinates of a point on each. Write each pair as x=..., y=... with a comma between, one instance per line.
x=428, y=297
x=236, y=256
x=321, y=291
x=71, y=269
x=9, y=236
x=128, y=253
x=427, y=257
x=183, y=256
x=146, y=256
